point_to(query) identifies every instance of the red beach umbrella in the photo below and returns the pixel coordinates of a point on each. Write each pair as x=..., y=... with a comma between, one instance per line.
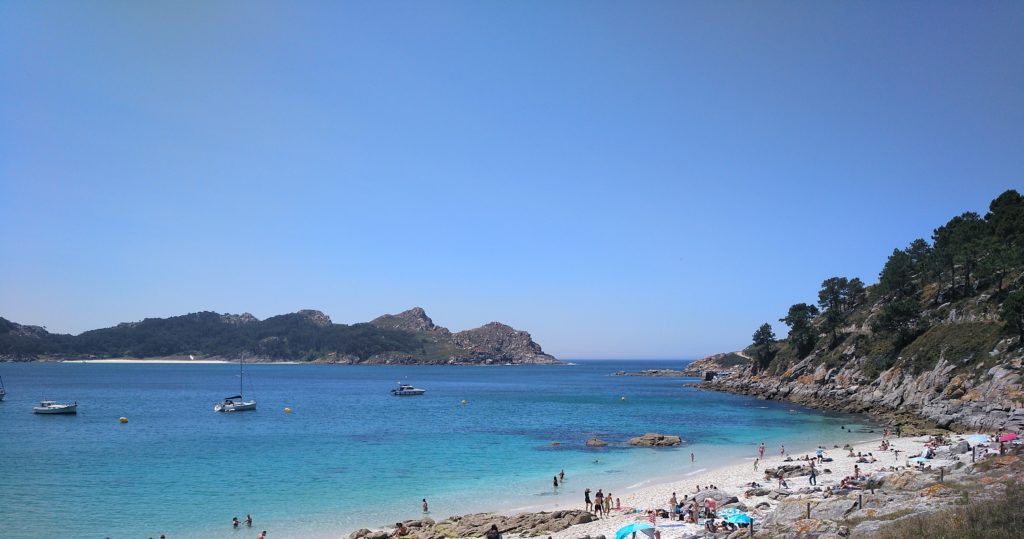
x=1008, y=437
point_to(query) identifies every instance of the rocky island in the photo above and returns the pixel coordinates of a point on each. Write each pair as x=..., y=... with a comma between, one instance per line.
x=409, y=337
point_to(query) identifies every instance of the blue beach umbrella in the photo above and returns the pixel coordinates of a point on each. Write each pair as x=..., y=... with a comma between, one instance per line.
x=633, y=528
x=918, y=459
x=977, y=439
x=740, y=519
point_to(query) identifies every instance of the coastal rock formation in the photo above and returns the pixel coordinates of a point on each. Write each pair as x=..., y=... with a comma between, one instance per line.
x=496, y=342
x=667, y=373
x=652, y=439
x=477, y=524
x=716, y=363
x=410, y=337
x=896, y=496
x=991, y=398
x=415, y=320
x=596, y=442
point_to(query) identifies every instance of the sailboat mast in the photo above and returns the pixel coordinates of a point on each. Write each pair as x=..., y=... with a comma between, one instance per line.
x=240, y=361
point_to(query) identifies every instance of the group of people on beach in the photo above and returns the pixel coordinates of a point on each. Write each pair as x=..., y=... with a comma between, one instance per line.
x=602, y=504
x=689, y=509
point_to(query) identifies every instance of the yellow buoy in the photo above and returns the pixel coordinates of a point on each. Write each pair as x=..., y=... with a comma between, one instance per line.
x=123, y=419
x=287, y=410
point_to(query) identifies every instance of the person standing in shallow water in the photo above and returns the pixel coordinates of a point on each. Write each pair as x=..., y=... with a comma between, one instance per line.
x=554, y=481
x=761, y=450
x=425, y=511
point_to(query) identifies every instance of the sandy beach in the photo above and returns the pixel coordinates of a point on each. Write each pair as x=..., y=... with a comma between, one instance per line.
x=174, y=361
x=734, y=479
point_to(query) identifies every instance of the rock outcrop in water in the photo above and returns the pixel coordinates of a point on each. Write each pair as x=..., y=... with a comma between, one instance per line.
x=409, y=337
x=652, y=439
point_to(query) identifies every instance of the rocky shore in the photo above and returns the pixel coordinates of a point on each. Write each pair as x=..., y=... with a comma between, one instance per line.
x=669, y=373
x=939, y=397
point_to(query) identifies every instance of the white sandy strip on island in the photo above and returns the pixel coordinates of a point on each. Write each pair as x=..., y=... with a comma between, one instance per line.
x=178, y=361
x=152, y=361
x=732, y=480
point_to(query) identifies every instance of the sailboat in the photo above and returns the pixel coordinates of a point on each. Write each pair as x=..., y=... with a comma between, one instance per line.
x=236, y=403
x=3, y=390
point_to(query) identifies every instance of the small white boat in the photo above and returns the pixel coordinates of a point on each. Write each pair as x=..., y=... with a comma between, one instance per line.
x=52, y=407
x=3, y=390
x=405, y=390
x=234, y=404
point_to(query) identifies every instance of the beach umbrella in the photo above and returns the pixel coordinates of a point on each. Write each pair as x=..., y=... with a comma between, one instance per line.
x=740, y=518
x=977, y=439
x=1008, y=437
x=643, y=527
x=918, y=459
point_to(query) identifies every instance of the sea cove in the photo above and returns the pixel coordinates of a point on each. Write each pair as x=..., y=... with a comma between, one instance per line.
x=351, y=455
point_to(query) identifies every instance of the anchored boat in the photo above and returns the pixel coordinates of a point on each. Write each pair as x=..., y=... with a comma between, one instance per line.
x=236, y=403
x=405, y=390
x=53, y=407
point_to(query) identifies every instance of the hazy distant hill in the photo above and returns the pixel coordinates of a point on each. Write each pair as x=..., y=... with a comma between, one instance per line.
x=308, y=335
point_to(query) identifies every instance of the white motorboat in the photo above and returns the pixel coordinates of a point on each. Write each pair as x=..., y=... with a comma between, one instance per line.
x=236, y=403
x=406, y=390
x=52, y=407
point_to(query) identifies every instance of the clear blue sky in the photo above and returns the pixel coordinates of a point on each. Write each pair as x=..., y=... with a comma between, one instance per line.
x=620, y=179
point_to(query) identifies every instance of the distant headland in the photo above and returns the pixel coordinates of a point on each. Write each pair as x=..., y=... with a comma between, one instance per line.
x=409, y=337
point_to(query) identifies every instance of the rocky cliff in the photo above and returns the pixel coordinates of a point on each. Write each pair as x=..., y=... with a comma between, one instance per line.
x=492, y=343
x=944, y=395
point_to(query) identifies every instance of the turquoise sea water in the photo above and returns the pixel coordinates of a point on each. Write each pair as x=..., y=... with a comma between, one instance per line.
x=351, y=455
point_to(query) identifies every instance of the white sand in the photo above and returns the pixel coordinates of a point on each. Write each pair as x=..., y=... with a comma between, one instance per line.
x=197, y=361
x=732, y=479
x=176, y=361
